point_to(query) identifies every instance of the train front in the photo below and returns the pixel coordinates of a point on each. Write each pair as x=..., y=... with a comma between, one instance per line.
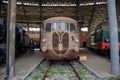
x=60, y=40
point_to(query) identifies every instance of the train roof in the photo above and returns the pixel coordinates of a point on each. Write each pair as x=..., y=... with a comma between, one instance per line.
x=105, y=24
x=60, y=19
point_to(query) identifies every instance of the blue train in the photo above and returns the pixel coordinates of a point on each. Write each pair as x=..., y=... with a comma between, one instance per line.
x=22, y=40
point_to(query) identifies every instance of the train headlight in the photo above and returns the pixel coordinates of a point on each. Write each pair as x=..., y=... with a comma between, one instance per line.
x=43, y=40
x=76, y=49
x=44, y=49
x=76, y=40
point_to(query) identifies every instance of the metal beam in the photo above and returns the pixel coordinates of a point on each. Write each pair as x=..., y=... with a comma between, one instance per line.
x=92, y=15
x=77, y=8
x=40, y=7
x=23, y=7
x=11, y=20
x=25, y=21
x=114, y=50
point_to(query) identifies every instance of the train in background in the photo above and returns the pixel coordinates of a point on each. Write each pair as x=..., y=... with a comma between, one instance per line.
x=60, y=39
x=99, y=39
x=22, y=40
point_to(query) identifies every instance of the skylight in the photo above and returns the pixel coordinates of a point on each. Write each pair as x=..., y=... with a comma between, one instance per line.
x=34, y=29
x=84, y=29
x=58, y=4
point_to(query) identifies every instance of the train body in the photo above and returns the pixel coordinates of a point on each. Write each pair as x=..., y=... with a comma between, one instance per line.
x=22, y=41
x=99, y=39
x=60, y=40
x=2, y=39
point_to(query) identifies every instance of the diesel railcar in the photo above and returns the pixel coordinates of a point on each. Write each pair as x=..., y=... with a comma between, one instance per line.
x=99, y=39
x=60, y=40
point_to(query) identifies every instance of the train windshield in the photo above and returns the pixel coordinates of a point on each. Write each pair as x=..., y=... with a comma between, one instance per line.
x=65, y=26
x=58, y=26
x=55, y=26
x=72, y=27
x=48, y=27
x=106, y=36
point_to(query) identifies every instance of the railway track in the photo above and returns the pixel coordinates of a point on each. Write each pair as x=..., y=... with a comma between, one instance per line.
x=75, y=71
x=45, y=73
x=61, y=70
x=72, y=66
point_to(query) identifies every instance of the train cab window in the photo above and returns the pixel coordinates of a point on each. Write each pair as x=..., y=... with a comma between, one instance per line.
x=55, y=25
x=98, y=35
x=72, y=27
x=65, y=25
x=48, y=27
x=106, y=36
x=92, y=40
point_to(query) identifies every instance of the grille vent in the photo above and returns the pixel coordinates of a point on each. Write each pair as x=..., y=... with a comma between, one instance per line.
x=64, y=39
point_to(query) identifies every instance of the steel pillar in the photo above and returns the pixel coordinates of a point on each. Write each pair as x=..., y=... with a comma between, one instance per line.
x=40, y=7
x=40, y=36
x=11, y=20
x=114, y=50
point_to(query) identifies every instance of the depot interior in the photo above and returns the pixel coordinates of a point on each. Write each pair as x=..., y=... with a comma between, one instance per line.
x=31, y=13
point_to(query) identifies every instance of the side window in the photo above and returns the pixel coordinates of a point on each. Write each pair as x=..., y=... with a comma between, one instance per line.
x=48, y=27
x=98, y=35
x=92, y=38
x=72, y=27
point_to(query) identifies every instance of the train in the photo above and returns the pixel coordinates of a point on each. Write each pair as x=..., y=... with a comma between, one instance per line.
x=60, y=39
x=2, y=39
x=99, y=40
x=22, y=40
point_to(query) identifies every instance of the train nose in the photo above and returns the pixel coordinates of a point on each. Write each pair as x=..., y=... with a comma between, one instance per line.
x=60, y=41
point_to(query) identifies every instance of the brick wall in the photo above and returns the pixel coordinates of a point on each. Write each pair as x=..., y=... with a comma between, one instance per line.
x=83, y=36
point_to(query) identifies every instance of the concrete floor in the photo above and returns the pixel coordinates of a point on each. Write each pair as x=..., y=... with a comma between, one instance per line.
x=24, y=65
x=100, y=66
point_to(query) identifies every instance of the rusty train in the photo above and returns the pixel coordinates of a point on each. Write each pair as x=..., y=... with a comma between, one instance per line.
x=60, y=39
